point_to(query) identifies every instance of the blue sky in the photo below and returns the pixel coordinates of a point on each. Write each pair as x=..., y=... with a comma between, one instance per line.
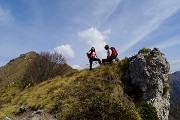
x=71, y=27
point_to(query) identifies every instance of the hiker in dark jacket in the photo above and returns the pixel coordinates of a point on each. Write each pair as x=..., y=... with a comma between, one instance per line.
x=111, y=54
x=92, y=57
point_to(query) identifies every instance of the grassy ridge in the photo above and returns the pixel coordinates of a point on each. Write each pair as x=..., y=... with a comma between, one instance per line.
x=96, y=94
x=14, y=70
x=84, y=94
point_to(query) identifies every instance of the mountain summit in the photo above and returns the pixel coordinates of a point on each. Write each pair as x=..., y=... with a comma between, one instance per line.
x=148, y=70
x=135, y=88
x=14, y=70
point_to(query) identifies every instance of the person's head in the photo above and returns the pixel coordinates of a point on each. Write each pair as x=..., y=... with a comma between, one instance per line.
x=92, y=49
x=106, y=47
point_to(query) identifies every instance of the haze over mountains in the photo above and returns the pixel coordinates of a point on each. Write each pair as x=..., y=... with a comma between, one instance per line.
x=175, y=95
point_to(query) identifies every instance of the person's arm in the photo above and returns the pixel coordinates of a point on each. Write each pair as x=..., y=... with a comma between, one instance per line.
x=109, y=52
x=89, y=51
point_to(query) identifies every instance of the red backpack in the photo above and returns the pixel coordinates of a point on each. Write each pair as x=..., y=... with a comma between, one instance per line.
x=114, y=52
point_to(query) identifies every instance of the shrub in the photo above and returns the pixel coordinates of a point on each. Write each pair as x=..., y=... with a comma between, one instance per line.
x=144, y=50
x=123, y=65
x=149, y=59
x=148, y=112
x=54, y=57
x=166, y=89
x=41, y=69
x=98, y=107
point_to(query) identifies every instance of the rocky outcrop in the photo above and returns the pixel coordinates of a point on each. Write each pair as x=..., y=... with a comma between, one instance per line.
x=7, y=118
x=34, y=115
x=148, y=70
x=22, y=110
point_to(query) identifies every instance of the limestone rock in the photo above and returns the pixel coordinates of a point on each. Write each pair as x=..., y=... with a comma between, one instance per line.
x=149, y=71
x=22, y=110
x=7, y=118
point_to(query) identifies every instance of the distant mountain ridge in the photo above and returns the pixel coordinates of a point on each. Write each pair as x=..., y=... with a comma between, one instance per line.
x=175, y=95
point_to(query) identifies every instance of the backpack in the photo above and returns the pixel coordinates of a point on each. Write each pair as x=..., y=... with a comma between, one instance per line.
x=89, y=54
x=114, y=52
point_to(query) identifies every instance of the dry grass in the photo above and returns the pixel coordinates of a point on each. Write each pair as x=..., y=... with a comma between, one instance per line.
x=83, y=94
x=14, y=70
x=96, y=94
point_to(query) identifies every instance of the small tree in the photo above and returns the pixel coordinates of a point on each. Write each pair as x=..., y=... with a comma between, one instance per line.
x=54, y=57
x=37, y=71
x=44, y=66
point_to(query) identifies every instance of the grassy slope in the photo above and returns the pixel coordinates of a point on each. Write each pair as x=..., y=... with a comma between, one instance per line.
x=14, y=70
x=96, y=94
x=85, y=94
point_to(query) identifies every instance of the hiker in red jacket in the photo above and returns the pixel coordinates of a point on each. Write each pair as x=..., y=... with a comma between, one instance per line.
x=111, y=54
x=92, y=57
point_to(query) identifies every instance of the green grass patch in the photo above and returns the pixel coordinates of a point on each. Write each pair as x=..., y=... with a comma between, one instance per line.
x=148, y=112
x=144, y=50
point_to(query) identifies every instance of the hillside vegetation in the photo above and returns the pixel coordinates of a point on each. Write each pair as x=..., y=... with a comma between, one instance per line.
x=81, y=95
x=14, y=70
x=31, y=68
x=100, y=94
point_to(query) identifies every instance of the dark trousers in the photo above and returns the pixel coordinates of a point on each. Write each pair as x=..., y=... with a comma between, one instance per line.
x=108, y=60
x=91, y=59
